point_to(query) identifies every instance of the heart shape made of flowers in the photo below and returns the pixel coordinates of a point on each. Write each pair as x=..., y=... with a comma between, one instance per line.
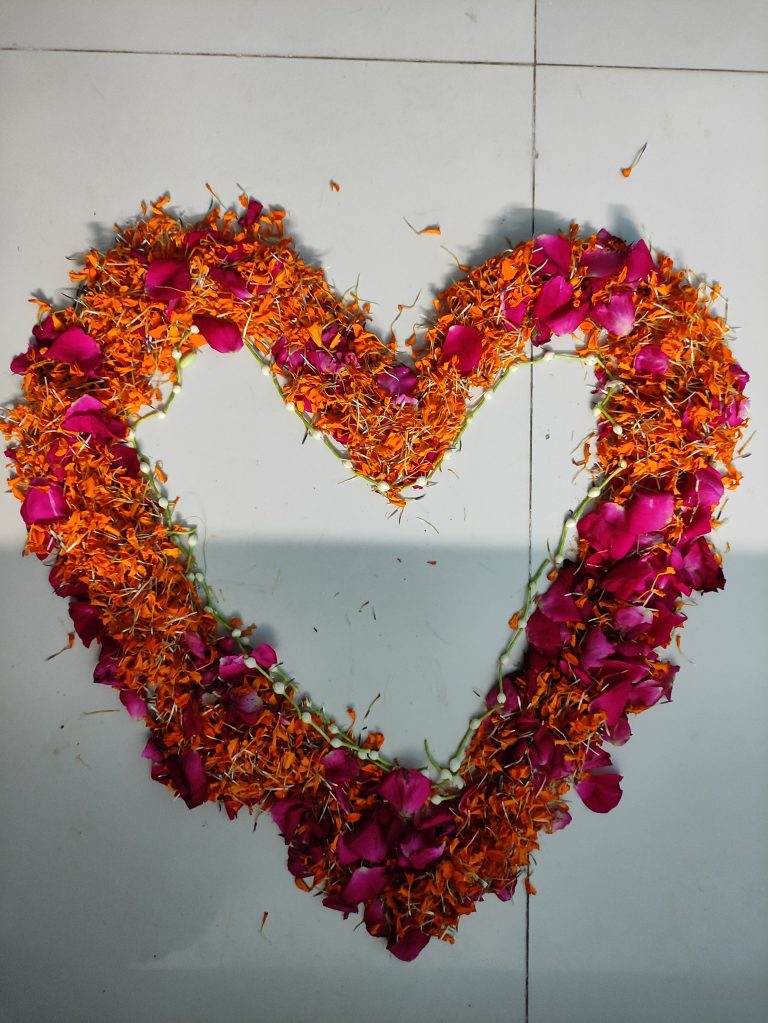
x=415, y=852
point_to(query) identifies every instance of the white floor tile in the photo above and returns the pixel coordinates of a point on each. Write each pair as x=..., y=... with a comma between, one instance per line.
x=481, y=30
x=682, y=34
x=657, y=911
x=165, y=904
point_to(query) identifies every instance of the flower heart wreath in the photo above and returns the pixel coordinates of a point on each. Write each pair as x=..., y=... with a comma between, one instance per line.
x=228, y=723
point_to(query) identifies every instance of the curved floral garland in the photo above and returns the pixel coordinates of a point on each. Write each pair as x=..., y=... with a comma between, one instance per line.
x=227, y=723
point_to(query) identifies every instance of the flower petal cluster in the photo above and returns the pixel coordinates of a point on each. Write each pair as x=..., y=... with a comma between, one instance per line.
x=407, y=852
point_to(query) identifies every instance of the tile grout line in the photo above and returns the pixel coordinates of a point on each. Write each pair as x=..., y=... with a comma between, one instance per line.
x=527, y=952
x=439, y=61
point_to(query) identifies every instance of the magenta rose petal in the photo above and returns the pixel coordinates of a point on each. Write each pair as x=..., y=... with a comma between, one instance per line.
x=559, y=602
x=232, y=281
x=365, y=883
x=410, y=945
x=600, y=792
x=399, y=381
x=252, y=213
x=134, y=704
x=341, y=766
x=647, y=512
x=612, y=701
x=551, y=255
x=365, y=842
x=606, y=530
x=554, y=294
x=405, y=790
x=264, y=655
x=87, y=621
x=568, y=319
x=197, y=781
x=597, y=649
x=703, y=488
x=44, y=502
x=415, y=851
x=632, y=620
x=466, y=344
x=77, y=348
x=640, y=264
x=127, y=458
x=555, y=310
x=561, y=820
x=196, y=647
x=545, y=634
x=221, y=335
x=617, y=315
x=514, y=314
x=651, y=361
x=603, y=262
x=152, y=751
x=20, y=363
x=631, y=578
x=45, y=331
x=288, y=814
x=167, y=281
x=375, y=917
x=89, y=416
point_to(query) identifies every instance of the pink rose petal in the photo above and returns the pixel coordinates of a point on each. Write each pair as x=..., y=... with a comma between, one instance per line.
x=412, y=942
x=640, y=264
x=233, y=281
x=44, y=502
x=603, y=262
x=134, y=704
x=551, y=255
x=365, y=883
x=127, y=458
x=600, y=792
x=651, y=361
x=341, y=767
x=76, y=347
x=399, y=380
x=89, y=416
x=546, y=635
x=221, y=335
x=555, y=309
x=612, y=701
x=558, y=602
x=252, y=213
x=152, y=752
x=167, y=281
x=264, y=655
x=405, y=790
x=466, y=344
x=514, y=314
x=617, y=315
x=87, y=621
x=197, y=781
x=647, y=512
x=366, y=841
x=20, y=363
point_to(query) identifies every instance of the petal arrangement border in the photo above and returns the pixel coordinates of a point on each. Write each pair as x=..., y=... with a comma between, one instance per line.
x=413, y=850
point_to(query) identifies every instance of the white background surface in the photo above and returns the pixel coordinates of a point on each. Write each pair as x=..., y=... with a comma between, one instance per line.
x=117, y=901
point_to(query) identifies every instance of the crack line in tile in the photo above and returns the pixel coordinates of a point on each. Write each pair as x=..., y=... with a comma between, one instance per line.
x=381, y=60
